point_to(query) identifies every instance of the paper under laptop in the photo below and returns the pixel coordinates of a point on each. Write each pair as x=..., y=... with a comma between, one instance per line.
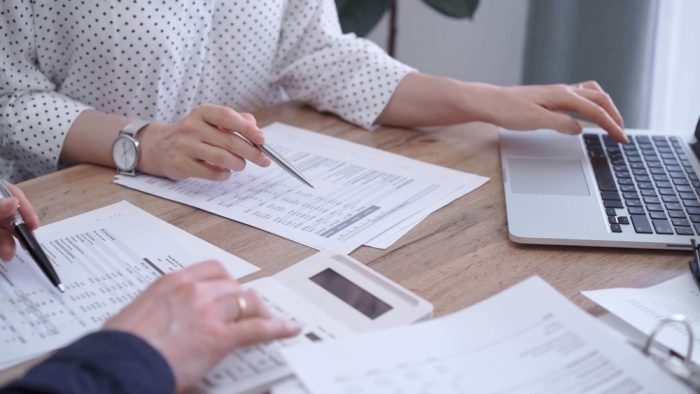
x=527, y=339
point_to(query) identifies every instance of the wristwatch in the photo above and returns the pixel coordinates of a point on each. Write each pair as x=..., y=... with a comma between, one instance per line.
x=125, y=149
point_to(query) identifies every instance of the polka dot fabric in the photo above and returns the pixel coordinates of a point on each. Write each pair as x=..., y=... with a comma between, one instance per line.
x=157, y=59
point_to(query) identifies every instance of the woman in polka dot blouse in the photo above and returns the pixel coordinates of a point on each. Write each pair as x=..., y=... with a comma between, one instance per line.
x=75, y=73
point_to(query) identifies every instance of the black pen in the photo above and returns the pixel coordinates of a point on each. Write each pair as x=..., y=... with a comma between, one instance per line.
x=26, y=238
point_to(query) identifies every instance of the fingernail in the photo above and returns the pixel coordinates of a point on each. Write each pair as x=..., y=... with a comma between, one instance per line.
x=292, y=326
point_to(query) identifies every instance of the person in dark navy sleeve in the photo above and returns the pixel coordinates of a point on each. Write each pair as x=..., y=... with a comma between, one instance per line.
x=165, y=341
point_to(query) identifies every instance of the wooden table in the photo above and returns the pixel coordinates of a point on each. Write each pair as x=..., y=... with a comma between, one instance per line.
x=457, y=256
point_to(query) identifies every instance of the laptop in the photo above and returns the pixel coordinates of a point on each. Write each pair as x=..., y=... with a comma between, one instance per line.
x=589, y=190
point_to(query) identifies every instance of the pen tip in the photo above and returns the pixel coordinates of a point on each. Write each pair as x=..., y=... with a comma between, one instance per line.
x=60, y=287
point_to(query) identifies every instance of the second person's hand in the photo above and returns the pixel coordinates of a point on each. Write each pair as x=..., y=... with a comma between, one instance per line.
x=193, y=318
x=209, y=143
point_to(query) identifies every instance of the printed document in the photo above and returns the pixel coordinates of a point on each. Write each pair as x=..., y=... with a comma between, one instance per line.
x=527, y=339
x=360, y=192
x=104, y=258
x=644, y=308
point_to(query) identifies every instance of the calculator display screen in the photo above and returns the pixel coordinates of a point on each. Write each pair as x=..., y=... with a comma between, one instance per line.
x=350, y=293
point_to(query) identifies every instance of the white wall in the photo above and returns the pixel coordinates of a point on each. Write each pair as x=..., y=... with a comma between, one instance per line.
x=675, y=104
x=488, y=48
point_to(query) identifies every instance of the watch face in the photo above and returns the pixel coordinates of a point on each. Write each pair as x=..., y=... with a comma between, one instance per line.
x=124, y=153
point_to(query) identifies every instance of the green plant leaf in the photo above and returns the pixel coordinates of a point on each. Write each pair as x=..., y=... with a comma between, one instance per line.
x=454, y=8
x=360, y=16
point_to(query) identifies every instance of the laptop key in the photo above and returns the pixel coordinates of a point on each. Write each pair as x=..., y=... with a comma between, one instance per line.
x=627, y=195
x=691, y=203
x=610, y=212
x=657, y=215
x=651, y=200
x=644, y=185
x=669, y=198
x=667, y=191
x=610, y=195
x=680, y=181
x=662, y=227
x=629, y=188
x=687, y=195
x=623, y=220
x=693, y=210
x=684, y=188
x=633, y=203
x=623, y=181
x=612, y=219
x=603, y=176
x=694, y=218
x=636, y=211
x=615, y=228
x=663, y=184
x=637, y=165
x=623, y=174
x=676, y=213
x=641, y=224
x=648, y=192
x=655, y=207
x=674, y=206
x=676, y=174
x=613, y=204
x=642, y=178
x=684, y=230
x=680, y=222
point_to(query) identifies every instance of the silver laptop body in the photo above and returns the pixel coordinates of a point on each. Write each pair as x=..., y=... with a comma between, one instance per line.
x=553, y=196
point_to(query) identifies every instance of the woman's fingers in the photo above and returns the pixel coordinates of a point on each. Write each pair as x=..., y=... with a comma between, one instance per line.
x=7, y=245
x=25, y=207
x=603, y=99
x=228, y=119
x=572, y=101
x=234, y=144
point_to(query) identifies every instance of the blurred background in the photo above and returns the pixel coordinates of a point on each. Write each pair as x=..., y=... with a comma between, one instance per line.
x=645, y=53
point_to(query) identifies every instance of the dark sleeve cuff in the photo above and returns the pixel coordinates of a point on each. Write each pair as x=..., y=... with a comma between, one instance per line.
x=102, y=362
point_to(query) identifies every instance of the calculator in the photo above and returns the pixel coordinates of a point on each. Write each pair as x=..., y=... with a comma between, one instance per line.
x=329, y=295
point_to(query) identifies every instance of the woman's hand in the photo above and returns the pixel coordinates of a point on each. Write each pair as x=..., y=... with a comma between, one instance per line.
x=192, y=318
x=541, y=106
x=8, y=208
x=209, y=143
x=425, y=100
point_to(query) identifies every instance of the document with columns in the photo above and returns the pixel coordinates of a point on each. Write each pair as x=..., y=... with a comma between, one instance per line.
x=360, y=194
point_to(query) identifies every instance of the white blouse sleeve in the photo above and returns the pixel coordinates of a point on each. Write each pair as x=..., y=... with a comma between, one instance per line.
x=318, y=64
x=34, y=118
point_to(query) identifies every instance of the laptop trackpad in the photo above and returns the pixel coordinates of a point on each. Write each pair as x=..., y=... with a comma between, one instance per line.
x=547, y=176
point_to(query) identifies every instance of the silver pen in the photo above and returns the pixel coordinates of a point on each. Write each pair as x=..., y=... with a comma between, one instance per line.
x=274, y=156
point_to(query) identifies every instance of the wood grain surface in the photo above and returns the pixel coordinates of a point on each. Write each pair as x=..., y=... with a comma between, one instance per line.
x=457, y=256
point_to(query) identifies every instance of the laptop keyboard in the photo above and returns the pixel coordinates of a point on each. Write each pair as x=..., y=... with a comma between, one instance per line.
x=648, y=184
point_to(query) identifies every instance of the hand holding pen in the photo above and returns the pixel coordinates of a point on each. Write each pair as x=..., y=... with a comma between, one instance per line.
x=17, y=217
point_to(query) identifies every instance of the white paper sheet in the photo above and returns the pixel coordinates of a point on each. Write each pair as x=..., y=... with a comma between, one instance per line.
x=643, y=308
x=360, y=192
x=104, y=258
x=527, y=339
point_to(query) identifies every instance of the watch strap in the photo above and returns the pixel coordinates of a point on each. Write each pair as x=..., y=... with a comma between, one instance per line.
x=132, y=130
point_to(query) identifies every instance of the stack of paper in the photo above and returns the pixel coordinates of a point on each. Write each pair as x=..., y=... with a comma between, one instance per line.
x=103, y=263
x=644, y=308
x=528, y=339
x=362, y=195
